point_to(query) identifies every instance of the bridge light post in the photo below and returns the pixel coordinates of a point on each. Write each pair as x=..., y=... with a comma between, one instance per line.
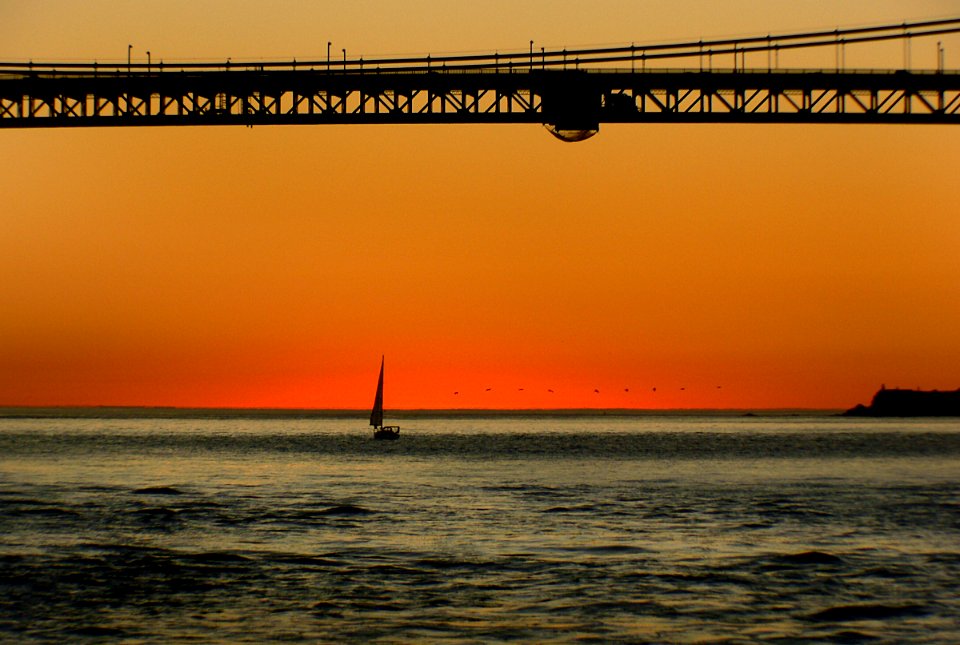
x=906, y=47
x=129, y=49
x=344, y=59
x=148, y=62
x=531, y=55
x=836, y=39
x=328, y=55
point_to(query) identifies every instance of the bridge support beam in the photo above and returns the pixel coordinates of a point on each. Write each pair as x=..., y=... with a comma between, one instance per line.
x=565, y=99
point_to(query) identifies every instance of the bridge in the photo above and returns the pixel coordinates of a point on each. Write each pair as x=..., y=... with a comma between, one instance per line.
x=570, y=91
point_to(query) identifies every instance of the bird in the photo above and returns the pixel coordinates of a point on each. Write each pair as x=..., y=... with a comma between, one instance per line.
x=626, y=389
x=455, y=393
x=488, y=389
x=596, y=391
x=550, y=391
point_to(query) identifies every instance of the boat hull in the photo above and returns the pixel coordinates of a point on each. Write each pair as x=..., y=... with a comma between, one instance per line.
x=388, y=433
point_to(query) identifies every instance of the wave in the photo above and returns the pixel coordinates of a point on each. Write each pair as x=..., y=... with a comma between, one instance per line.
x=602, y=590
x=508, y=446
x=158, y=490
x=345, y=510
x=609, y=549
x=97, y=631
x=852, y=613
x=213, y=557
x=301, y=560
x=52, y=512
x=809, y=558
x=156, y=513
x=578, y=508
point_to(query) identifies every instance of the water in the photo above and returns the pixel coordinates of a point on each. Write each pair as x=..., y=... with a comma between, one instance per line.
x=530, y=529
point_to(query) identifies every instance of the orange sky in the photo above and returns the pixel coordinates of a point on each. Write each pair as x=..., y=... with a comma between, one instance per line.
x=795, y=266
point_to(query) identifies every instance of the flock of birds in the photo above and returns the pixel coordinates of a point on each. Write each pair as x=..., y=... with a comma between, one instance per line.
x=595, y=390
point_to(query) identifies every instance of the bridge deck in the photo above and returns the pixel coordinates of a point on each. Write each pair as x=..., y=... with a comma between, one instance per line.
x=568, y=99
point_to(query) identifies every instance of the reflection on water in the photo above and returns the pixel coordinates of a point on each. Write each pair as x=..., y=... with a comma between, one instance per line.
x=663, y=529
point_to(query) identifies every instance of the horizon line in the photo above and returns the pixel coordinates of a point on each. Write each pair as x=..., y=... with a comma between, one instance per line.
x=159, y=411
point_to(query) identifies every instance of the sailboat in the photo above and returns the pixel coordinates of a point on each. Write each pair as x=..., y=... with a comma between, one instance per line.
x=381, y=431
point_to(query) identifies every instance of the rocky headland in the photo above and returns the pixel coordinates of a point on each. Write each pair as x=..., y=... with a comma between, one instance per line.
x=909, y=403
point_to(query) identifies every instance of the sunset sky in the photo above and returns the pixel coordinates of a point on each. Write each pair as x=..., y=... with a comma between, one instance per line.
x=751, y=266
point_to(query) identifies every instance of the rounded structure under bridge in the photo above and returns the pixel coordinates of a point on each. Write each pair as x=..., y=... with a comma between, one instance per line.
x=570, y=135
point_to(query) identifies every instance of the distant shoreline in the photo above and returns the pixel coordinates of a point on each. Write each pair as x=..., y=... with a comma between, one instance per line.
x=898, y=402
x=163, y=412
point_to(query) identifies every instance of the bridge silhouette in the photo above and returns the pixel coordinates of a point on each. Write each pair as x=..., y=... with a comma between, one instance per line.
x=570, y=91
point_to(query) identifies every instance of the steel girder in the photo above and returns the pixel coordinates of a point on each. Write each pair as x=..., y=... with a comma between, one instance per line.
x=567, y=99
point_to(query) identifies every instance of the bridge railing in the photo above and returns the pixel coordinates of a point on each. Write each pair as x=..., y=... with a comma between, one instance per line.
x=11, y=73
x=642, y=56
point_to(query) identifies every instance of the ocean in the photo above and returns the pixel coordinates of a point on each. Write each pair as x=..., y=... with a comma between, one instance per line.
x=477, y=529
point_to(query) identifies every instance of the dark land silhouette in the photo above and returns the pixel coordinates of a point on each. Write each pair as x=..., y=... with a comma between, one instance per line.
x=909, y=403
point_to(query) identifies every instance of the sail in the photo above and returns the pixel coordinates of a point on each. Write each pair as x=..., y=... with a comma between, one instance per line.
x=376, y=415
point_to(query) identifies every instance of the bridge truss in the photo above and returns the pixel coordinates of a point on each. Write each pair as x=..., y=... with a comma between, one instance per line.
x=569, y=91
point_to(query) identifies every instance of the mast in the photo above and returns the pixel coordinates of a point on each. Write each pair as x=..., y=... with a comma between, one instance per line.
x=376, y=415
